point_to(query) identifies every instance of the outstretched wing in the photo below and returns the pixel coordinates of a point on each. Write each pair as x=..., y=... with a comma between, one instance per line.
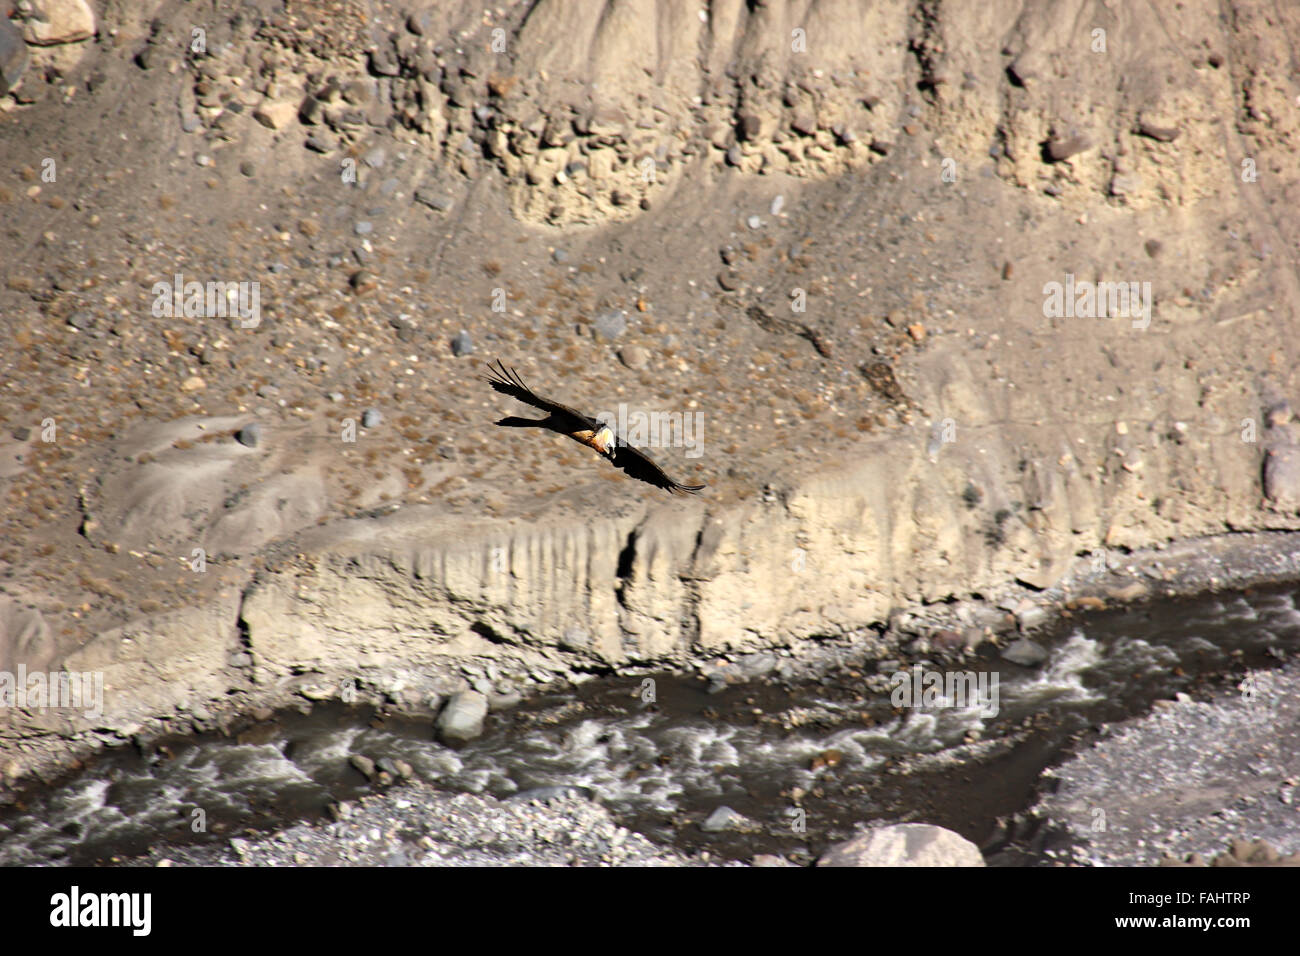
x=641, y=466
x=507, y=382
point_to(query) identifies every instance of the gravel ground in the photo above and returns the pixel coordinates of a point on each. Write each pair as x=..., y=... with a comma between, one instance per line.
x=416, y=825
x=1190, y=778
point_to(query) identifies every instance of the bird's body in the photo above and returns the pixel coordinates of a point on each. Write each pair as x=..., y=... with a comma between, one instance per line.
x=584, y=429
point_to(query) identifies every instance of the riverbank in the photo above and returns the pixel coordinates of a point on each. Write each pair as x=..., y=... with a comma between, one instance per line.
x=1207, y=780
x=416, y=825
x=749, y=762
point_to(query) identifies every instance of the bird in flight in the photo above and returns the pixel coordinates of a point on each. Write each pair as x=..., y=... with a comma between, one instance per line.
x=581, y=428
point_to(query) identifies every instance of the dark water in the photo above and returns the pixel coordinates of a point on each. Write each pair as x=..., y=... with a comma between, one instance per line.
x=837, y=750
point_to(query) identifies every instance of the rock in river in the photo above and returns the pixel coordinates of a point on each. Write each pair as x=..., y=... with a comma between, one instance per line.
x=462, y=719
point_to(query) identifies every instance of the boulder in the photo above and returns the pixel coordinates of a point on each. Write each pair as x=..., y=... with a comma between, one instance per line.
x=60, y=21
x=13, y=56
x=462, y=719
x=904, y=844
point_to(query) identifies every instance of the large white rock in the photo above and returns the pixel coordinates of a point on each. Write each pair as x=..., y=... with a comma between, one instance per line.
x=462, y=719
x=905, y=844
x=60, y=21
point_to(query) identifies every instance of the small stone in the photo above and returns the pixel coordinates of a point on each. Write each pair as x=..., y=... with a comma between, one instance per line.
x=1032, y=617
x=310, y=111
x=276, y=116
x=1164, y=134
x=917, y=331
x=1276, y=416
x=420, y=22
x=827, y=759
x=634, y=357
x=433, y=200
x=371, y=417
x=193, y=384
x=384, y=63
x=547, y=794
x=1059, y=149
x=404, y=327
x=611, y=324
x=363, y=764
x=1128, y=593
x=1125, y=185
x=462, y=344
x=722, y=819
x=250, y=435
x=1282, y=477
x=363, y=228
x=1025, y=653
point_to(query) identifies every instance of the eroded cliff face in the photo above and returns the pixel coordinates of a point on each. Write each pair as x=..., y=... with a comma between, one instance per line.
x=914, y=522
x=644, y=185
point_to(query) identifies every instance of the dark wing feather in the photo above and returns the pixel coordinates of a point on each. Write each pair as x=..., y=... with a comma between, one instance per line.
x=507, y=382
x=641, y=466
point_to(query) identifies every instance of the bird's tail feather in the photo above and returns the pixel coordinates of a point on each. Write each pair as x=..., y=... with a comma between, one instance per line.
x=515, y=422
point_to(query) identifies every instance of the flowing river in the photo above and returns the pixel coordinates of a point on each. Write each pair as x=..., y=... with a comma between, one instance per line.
x=832, y=753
